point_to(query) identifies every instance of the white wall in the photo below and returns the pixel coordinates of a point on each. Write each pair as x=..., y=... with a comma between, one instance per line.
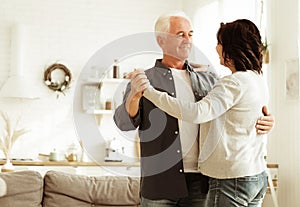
x=68, y=31
x=284, y=142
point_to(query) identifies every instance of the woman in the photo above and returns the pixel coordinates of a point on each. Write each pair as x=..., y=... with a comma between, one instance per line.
x=231, y=152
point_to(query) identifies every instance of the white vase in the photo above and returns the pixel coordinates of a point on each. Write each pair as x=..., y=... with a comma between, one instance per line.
x=8, y=166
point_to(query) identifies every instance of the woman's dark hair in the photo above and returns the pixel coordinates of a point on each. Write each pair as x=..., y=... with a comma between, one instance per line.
x=241, y=42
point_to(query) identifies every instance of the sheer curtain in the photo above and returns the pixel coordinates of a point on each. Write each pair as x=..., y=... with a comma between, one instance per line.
x=211, y=13
x=298, y=33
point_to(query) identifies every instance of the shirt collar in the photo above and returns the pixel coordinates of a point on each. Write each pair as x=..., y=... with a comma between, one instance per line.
x=188, y=67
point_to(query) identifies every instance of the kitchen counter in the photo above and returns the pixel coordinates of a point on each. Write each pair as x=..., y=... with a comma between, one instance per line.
x=74, y=164
x=84, y=168
x=99, y=168
x=66, y=163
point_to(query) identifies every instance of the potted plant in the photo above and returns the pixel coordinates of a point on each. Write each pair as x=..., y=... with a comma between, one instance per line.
x=265, y=51
x=7, y=140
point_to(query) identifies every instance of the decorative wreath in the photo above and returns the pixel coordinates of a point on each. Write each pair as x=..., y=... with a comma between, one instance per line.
x=56, y=85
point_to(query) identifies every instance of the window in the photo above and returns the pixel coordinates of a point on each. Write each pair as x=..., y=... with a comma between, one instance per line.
x=211, y=13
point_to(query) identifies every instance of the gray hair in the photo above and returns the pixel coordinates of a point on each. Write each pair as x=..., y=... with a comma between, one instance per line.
x=162, y=24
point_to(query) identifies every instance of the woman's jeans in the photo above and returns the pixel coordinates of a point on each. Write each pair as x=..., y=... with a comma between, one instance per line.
x=245, y=191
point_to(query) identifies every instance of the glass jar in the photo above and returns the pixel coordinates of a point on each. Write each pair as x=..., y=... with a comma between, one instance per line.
x=108, y=104
x=72, y=153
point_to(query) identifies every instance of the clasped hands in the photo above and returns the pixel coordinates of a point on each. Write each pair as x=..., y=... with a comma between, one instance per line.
x=139, y=82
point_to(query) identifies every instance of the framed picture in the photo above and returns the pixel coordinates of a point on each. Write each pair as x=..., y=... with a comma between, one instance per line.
x=90, y=95
x=292, y=79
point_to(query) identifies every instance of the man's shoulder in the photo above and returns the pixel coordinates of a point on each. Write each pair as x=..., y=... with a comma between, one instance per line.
x=207, y=75
x=203, y=70
x=150, y=71
x=154, y=71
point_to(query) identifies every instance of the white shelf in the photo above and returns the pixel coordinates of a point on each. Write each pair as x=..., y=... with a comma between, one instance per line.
x=106, y=80
x=99, y=111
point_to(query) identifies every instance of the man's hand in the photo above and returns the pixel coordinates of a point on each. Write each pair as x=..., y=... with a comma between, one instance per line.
x=265, y=123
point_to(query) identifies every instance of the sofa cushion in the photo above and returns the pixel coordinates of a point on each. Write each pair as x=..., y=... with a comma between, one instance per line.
x=63, y=189
x=2, y=187
x=24, y=188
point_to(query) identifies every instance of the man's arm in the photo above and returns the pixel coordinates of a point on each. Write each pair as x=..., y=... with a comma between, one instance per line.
x=132, y=104
x=126, y=116
x=266, y=123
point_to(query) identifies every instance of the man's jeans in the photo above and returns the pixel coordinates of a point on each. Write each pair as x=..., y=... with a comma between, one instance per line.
x=196, y=197
x=245, y=191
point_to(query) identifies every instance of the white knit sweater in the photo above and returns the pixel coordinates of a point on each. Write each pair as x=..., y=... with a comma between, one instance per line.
x=229, y=144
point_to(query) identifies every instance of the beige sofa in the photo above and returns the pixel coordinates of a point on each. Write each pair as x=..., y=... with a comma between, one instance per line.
x=58, y=189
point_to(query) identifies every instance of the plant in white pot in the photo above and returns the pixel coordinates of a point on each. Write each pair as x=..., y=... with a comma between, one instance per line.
x=9, y=136
x=265, y=51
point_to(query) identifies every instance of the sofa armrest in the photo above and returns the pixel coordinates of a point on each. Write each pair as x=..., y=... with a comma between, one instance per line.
x=2, y=187
x=24, y=188
x=64, y=189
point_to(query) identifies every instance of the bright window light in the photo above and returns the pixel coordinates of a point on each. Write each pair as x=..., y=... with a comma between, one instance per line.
x=207, y=20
